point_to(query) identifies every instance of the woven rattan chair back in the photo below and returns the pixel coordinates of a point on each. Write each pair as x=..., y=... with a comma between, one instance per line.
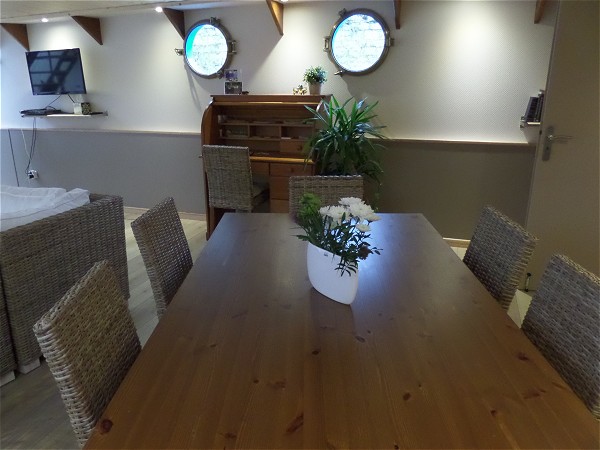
x=229, y=177
x=165, y=251
x=328, y=188
x=498, y=254
x=89, y=341
x=8, y=362
x=40, y=261
x=563, y=320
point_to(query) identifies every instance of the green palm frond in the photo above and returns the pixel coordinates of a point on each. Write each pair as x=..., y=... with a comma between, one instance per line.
x=341, y=144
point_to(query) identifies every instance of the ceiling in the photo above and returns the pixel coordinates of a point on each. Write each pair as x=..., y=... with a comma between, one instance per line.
x=31, y=11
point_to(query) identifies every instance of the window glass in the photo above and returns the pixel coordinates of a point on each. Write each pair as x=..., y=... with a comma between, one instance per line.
x=359, y=41
x=208, y=48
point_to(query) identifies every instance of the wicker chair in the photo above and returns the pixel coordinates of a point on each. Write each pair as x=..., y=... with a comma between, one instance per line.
x=165, y=251
x=562, y=321
x=8, y=362
x=89, y=341
x=41, y=260
x=498, y=254
x=229, y=177
x=329, y=189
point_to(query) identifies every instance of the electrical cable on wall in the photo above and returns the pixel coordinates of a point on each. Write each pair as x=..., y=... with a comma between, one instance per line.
x=48, y=105
x=33, y=141
x=12, y=151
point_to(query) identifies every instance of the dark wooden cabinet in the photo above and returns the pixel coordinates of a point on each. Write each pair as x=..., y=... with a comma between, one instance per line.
x=275, y=130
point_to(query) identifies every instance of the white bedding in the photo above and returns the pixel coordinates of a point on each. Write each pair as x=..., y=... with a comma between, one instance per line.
x=21, y=205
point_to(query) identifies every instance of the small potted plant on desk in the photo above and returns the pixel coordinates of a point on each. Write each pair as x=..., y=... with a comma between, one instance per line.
x=315, y=77
x=341, y=144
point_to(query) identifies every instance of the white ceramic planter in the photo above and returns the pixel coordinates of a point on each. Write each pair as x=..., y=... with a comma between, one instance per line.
x=314, y=88
x=322, y=275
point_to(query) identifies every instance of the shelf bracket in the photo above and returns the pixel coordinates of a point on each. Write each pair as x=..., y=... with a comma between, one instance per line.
x=539, y=10
x=177, y=19
x=19, y=32
x=91, y=26
x=276, y=9
x=397, y=4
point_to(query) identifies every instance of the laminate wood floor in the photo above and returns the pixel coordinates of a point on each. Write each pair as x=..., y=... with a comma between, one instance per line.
x=32, y=414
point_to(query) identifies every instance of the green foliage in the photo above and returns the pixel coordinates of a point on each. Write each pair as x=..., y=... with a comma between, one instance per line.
x=340, y=145
x=341, y=229
x=315, y=75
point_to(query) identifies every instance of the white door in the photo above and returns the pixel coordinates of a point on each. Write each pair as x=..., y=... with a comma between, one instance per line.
x=564, y=201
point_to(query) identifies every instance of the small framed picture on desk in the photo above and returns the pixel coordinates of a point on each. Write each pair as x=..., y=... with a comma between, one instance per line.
x=233, y=87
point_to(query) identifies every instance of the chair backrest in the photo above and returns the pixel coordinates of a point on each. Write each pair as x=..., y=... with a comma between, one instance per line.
x=229, y=176
x=328, y=188
x=8, y=362
x=563, y=320
x=165, y=251
x=89, y=341
x=498, y=254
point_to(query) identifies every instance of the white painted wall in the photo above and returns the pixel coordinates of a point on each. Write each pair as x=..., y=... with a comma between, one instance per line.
x=459, y=70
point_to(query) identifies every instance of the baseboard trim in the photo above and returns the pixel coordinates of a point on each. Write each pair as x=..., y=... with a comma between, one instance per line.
x=132, y=211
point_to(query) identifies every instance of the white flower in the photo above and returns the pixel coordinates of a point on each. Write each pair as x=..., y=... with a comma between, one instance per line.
x=363, y=227
x=335, y=212
x=347, y=201
x=361, y=211
x=343, y=229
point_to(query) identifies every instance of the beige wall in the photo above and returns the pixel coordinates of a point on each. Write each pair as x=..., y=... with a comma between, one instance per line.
x=459, y=71
x=451, y=182
x=448, y=182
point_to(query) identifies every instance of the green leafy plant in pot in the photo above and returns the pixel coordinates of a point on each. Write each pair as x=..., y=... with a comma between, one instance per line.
x=340, y=145
x=315, y=77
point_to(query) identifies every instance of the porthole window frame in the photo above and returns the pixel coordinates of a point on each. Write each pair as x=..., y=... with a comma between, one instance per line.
x=231, y=50
x=344, y=14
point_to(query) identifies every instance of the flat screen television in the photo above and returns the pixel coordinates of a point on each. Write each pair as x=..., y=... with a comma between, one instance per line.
x=54, y=72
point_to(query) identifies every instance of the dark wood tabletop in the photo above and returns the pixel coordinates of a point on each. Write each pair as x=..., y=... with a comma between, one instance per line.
x=248, y=355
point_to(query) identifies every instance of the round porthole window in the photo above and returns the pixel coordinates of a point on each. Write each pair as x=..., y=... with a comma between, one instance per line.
x=359, y=41
x=208, y=48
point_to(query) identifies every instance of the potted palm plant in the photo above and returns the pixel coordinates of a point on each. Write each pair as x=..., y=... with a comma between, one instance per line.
x=315, y=77
x=340, y=145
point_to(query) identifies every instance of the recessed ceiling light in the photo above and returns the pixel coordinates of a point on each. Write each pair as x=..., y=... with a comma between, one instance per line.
x=44, y=19
x=284, y=1
x=158, y=9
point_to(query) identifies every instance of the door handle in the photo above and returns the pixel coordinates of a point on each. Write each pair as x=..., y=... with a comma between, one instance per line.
x=552, y=138
x=559, y=138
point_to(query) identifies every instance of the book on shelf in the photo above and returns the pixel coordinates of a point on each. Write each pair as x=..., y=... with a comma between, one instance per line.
x=533, y=113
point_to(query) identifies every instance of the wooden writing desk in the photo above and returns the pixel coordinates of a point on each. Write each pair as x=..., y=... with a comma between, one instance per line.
x=274, y=128
x=248, y=355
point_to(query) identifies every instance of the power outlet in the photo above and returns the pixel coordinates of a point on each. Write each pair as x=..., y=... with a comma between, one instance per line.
x=32, y=174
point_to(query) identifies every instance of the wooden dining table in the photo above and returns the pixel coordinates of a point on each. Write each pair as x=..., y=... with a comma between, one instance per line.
x=249, y=355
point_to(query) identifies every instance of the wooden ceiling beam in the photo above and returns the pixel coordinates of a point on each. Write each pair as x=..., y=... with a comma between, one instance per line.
x=91, y=26
x=177, y=19
x=19, y=32
x=397, y=4
x=539, y=10
x=276, y=9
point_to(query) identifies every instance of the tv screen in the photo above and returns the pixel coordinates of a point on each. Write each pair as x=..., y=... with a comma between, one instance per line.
x=54, y=72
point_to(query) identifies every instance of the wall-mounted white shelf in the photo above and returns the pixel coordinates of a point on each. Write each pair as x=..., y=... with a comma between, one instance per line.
x=524, y=124
x=531, y=130
x=69, y=115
